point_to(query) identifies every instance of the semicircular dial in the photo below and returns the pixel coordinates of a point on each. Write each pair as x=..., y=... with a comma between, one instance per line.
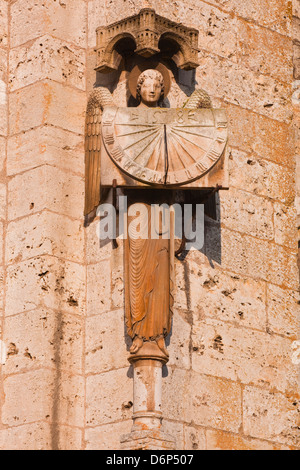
x=165, y=146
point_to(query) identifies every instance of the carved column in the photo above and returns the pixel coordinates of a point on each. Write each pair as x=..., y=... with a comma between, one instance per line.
x=147, y=431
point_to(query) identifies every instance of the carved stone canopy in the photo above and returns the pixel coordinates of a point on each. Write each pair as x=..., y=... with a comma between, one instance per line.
x=146, y=34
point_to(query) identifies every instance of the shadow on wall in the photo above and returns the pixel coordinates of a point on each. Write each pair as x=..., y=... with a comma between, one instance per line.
x=212, y=247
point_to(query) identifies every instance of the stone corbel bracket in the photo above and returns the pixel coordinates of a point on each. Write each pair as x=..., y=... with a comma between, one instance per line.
x=146, y=31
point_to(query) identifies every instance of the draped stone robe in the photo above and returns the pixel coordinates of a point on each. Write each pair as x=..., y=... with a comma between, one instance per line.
x=148, y=264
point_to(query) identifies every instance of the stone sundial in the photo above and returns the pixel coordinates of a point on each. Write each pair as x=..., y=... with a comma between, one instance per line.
x=150, y=146
x=164, y=146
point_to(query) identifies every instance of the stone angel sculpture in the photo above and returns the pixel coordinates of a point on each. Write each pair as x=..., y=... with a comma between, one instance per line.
x=101, y=98
x=148, y=263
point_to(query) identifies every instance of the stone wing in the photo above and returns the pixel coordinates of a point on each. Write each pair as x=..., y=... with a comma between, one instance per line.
x=199, y=99
x=99, y=98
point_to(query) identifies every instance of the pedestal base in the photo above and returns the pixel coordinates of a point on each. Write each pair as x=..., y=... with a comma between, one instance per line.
x=148, y=440
x=147, y=431
x=149, y=350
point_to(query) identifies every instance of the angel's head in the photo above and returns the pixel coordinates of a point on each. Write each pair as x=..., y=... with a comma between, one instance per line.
x=150, y=88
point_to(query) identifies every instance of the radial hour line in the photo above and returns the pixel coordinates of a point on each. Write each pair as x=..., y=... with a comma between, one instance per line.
x=166, y=153
x=192, y=133
x=158, y=153
x=148, y=145
x=138, y=141
x=186, y=151
x=133, y=133
x=140, y=125
x=179, y=155
x=195, y=125
x=188, y=140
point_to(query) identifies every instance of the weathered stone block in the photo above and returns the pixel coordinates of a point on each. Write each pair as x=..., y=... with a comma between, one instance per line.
x=215, y=403
x=272, y=416
x=45, y=233
x=273, y=14
x=247, y=213
x=43, y=395
x=296, y=61
x=96, y=18
x=68, y=438
x=298, y=178
x=1, y=244
x=69, y=404
x=3, y=88
x=261, y=177
x=3, y=65
x=255, y=47
x=28, y=397
x=3, y=23
x=181, y=294
x=35, y=436
x=96, y=250
x=117, y=277
x=282, y=267
x=256, y=258
x=176, y=430
x=99, y=288
x=242, y=355
x=43, y=338
x=50, y=58
x=285, y=224
x=103, y=332
x=295, y=28
x=3, y=108
x=219, y=440
x=107, y=437
x=47, y=103
x=41, y=436
x=1, y=290
x=47, y=281
x=267, y=138
x=3, y=192
x=114, y=11
x=212, y=402
x=109, y=397
x=65, y=19
x=283, y=311
x=296, y=8
x=216, y=31
x=194, y=438
x=224, y=296
x=53, y=146
x=2, y=155
x=178, y=343
x=175, y=390
x=45, y=187
x=239, y=85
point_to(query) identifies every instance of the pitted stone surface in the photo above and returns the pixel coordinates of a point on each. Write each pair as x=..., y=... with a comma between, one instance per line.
x=230, y=382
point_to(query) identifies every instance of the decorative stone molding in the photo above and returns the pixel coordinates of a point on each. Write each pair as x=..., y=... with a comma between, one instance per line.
x=146, y=33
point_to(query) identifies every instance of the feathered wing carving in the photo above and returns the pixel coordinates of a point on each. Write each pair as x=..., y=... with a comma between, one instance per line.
x=198, y=99
x=98, y=99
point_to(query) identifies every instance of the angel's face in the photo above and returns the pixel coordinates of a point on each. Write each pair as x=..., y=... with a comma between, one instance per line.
x=150, y=88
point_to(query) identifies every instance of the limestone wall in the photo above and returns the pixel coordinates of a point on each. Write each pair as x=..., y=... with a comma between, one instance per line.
x=296, y=103
x=66, y=382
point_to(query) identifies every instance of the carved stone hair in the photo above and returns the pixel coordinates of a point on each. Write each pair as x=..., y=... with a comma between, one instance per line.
x=150, y=73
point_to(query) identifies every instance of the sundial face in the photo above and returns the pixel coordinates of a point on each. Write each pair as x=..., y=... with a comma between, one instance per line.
x=164, y=147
